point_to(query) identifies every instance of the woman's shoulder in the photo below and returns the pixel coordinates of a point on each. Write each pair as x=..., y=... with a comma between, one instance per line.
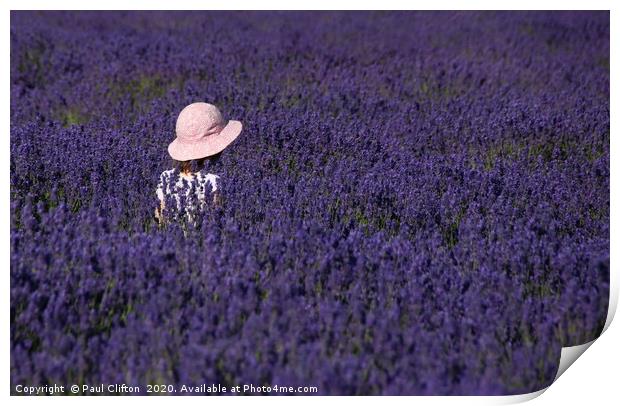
x=210, y=178
x=164, y=183
x=174, y=176
x=167, y=174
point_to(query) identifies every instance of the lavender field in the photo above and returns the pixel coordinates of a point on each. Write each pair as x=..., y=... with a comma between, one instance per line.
x=418, y=202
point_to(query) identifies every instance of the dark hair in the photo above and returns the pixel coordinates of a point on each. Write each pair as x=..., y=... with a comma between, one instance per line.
x=196, y=165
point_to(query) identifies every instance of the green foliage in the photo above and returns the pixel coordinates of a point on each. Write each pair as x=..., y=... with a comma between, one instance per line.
x=72, y=116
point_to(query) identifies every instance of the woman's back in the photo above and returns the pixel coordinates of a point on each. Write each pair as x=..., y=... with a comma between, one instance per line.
x=184, y=195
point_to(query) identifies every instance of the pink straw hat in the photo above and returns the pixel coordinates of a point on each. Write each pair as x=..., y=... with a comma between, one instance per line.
x=202, y=132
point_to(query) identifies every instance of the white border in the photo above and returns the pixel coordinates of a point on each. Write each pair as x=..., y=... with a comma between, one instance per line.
x=592, y=380
x=310, y=5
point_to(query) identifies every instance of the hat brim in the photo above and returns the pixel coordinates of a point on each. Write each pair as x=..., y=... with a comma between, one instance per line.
x=211, y=145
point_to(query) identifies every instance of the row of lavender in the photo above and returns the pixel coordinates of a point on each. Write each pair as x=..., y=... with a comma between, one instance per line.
x=418, y=204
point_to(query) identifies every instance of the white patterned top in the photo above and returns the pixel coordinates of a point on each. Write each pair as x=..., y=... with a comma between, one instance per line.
x=189, y=191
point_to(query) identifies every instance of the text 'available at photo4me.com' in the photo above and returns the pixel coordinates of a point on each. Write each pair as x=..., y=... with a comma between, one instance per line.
x=205, y=389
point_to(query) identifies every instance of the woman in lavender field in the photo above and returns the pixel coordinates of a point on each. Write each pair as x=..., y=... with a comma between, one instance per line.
x=424, y=210
x=201, y=134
